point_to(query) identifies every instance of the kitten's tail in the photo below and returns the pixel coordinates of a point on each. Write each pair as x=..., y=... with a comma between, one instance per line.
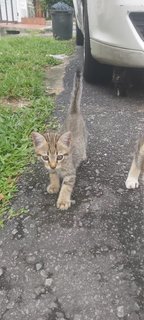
x=77, y=93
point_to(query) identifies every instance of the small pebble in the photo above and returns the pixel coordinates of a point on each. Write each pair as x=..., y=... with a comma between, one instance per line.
x=59, y=315
x=48, y=282
x=43, y=273
x=25, y=230
x=137, y=307
x=30, y=259
x=38, y=266
x=10, y=305
x=19, y=236
x=77, y=317
x=39, y=290
x=98, y=277
x=80, y=224
x=120, y=312
x=1, y=253
x=1, y=272
x=15, y=231
x=121, y=267
x=120, y=190
x=133, y=252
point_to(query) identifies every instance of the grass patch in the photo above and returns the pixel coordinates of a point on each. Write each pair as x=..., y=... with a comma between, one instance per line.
x=15, y=143
x=22, y=63
x=22, y=60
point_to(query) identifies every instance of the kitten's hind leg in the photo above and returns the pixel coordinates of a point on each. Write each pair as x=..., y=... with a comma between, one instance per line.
x=133, y=175
x=54, y=183
x=64, y=199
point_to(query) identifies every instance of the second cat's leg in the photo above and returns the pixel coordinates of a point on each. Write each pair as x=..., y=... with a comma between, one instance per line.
x=64, y=199
x=133, y=175
x=54, y=183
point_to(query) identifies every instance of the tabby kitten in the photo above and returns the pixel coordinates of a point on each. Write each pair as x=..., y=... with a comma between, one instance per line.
x=62, y=152
x=137, y=166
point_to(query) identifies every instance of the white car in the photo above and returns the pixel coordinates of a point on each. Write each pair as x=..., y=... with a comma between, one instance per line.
x=113, y=33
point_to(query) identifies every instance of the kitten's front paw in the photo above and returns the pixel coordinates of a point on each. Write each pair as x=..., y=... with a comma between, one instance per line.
x=63, y=204
x=52, y=189
x=132, y=183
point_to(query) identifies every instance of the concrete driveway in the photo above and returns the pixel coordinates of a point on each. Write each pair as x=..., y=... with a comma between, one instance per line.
x=86, y=263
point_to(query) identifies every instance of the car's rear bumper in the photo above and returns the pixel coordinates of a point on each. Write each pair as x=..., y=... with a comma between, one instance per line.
x=123, y=57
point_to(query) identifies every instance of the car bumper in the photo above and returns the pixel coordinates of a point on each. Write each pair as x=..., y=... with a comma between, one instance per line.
x=116, y=56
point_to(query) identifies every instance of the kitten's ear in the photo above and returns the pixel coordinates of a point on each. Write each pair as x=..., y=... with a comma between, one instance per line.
x=38, y=139
x=65, y=138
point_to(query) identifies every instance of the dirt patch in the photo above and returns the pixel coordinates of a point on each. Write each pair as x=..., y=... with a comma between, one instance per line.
x=54, y=78
x=14, y=103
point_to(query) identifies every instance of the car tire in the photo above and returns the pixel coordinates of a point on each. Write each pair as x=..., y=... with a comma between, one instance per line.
x=94, y=72
x=79, y=36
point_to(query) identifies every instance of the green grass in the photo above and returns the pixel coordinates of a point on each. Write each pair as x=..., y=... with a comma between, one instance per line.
x=22, y=61
x=15, y=142
x=22, y=64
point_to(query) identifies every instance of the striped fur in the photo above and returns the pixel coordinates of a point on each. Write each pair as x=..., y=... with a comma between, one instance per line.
x=62, y=152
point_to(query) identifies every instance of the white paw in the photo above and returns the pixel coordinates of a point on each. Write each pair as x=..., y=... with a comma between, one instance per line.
x=52, y=189
x=63, y=204
x=132, y=183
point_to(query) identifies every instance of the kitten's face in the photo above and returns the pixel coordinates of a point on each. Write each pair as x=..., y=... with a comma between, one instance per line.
x=52, y=148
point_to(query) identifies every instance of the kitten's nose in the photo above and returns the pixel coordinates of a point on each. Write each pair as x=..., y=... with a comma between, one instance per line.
x=53, y=165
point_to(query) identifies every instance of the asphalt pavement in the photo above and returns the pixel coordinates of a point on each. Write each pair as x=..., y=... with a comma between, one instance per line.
x=86, y=263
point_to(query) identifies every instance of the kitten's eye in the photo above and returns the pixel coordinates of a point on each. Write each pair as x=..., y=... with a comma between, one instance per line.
x=60, y=157
x=45, y=158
